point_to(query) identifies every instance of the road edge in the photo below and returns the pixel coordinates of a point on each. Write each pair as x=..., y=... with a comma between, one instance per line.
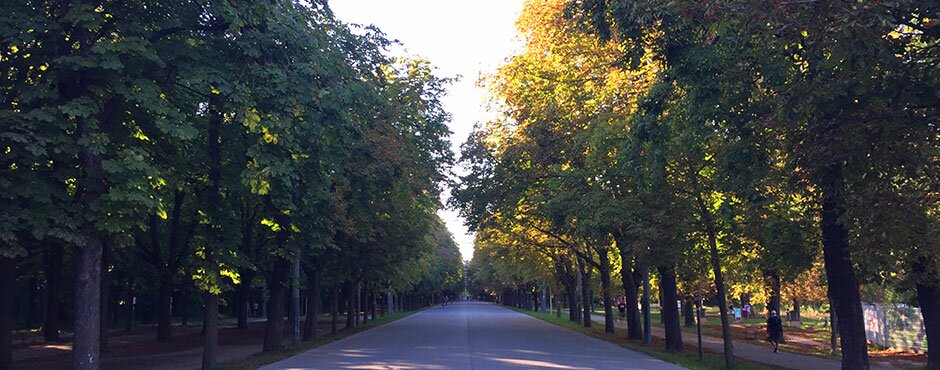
x=258, y=360
x=685, y=359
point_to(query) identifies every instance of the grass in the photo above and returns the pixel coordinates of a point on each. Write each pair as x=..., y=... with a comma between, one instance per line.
x=688, y=358
x=262, y=359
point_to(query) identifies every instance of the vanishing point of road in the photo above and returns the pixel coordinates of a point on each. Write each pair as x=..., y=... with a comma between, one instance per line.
x=470, y=335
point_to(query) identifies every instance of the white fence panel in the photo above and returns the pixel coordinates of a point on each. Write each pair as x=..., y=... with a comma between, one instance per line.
x=895, y=326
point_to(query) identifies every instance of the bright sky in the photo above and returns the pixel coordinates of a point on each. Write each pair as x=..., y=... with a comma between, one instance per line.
x=461, y=38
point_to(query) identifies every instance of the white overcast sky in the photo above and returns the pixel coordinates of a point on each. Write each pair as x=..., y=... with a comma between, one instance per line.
x=459, y=37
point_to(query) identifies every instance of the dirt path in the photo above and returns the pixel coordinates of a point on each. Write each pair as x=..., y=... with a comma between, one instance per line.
x=139, y=349
x=752, y=352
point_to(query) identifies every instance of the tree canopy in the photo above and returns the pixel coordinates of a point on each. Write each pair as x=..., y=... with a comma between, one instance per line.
x=221, y=147
x=746, y=149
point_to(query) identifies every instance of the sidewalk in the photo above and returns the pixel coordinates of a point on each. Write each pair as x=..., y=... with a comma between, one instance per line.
x=756, y=353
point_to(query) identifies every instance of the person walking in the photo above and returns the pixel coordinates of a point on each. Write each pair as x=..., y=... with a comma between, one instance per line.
x=774, y=329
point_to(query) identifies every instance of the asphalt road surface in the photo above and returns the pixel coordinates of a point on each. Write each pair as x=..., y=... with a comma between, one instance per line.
x=470, y=335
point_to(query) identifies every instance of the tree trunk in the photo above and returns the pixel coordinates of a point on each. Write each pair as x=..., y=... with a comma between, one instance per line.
x=244, y=293
x=313, y=303
x=87, y=330
x=585, y=293
x=293, y=310
x=667, y=277
x=211, y=340
x=334, y=307
x=606, y=293
x=86, y=343
x=31, y=295
x=833, y=330
x=129, y=296
x=7, y=277
x=167, y=268
x=350, y=306
x=843, y=284
x=715, y=260
x=662, y=313
x=53, y=270
x=183, y=303
x=278, y=283
x=688, y=312
x=572, y=296
x=645, y=303
x=164, y=325
x=928, y=298
x=773, y=285
x=373, y=303
x=796, y=309
x=364, y=302
x=103, y=316
x=213, y=229
x=87, y=257
x=274, y=330
x=630, y=289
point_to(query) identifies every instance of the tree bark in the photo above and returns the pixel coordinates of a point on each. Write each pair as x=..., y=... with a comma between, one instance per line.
x=631, y=290
x=364, y=302
x=667, y=278
x=928, y=298
x=350, y=306
x=244, y=293
x=645, y=305
x=572, y=297
x=604, y=264
x=167, y=266
x=293, y=310
x=104, y=297
x=53, y=270
x=87, y=328
x=796, y=309
x=211, y=340
x=772, y=279
x=31, y=295
x=129, y=296
x=843, y=283
x=87, y=258
x=688, y=312
x=183, y=303
x=715, y=260
x=313, y=303
x=86, y=344
x=585, y=270
x=213, y=229
x=164, y=325
x=833, y=330
x=278, y=283
x=334, y=307
x=373, y=302
x=274, y=330
x=7, y=277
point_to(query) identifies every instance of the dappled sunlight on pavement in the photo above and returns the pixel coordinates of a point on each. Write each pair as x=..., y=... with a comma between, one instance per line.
x=536, y=364
x=470, y=335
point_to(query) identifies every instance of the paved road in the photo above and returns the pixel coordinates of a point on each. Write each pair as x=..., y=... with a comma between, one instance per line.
x=470, y=335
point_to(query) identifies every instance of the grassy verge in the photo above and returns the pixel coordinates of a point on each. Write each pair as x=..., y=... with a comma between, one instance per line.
x=688, y=359
x=258, y=360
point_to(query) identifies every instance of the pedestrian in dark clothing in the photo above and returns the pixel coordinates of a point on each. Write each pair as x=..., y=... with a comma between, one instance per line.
x=774, y=329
